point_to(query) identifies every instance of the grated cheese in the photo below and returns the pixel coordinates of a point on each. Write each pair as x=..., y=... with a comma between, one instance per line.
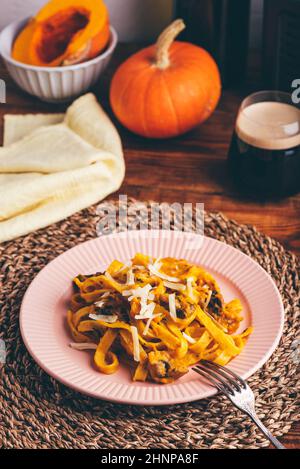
x=139, y=292
x=208, y=298
x=154, y=270
x=105, y=294
x=127, y=292
x=99, y=304
x=110, y=318
x=142, y=293
x=172, y=306
x=174, y=286
x=146, y=311
x=83, y=346
x=138, y=267
x=136, y=343
x=149, y=322
x=189, y=287
x=190, y=339
x=130, y=277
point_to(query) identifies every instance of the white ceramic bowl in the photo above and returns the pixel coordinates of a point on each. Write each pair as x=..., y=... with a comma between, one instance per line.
x=53, y=83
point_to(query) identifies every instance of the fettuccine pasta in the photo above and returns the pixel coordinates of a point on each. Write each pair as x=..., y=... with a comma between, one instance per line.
x=159, y=316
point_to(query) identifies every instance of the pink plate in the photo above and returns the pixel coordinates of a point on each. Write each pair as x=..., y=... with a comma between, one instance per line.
x=43, y=313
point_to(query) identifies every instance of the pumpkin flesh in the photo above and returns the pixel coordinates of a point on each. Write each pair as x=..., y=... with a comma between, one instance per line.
x=63, y=36
x=19, y=52
x=58, y=31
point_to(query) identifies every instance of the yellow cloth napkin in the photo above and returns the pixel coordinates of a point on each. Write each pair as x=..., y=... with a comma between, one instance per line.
x=53, y=165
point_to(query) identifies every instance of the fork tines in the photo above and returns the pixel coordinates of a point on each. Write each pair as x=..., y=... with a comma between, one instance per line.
x=222, y=378
x=237, y=391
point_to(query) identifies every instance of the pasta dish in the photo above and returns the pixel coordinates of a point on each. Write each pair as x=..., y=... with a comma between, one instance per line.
x=159, y=316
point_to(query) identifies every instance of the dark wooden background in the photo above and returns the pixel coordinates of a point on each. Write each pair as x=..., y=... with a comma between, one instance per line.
x=191, y=168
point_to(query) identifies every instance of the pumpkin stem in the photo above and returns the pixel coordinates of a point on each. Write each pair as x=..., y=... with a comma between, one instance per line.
x=164, y=42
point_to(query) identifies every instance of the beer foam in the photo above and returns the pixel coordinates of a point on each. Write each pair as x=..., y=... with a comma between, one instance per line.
x=269, y=125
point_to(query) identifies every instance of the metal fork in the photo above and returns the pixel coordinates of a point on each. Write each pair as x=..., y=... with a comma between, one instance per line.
x=236, y=389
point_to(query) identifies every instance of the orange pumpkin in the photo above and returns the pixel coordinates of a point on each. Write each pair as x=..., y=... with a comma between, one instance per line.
x=64, y=32
x=166, y=89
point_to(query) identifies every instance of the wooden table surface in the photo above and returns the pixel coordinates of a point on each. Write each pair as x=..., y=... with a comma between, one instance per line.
x=191, y=168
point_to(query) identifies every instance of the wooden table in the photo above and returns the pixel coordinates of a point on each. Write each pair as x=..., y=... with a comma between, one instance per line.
x=191, y=168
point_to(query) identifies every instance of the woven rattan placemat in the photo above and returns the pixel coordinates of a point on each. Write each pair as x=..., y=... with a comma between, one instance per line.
x=38, y=412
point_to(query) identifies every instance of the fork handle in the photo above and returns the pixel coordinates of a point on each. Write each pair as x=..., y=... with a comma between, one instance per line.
x=265, y=431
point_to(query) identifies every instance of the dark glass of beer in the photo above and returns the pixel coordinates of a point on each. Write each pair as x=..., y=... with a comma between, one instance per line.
x=264, y=154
